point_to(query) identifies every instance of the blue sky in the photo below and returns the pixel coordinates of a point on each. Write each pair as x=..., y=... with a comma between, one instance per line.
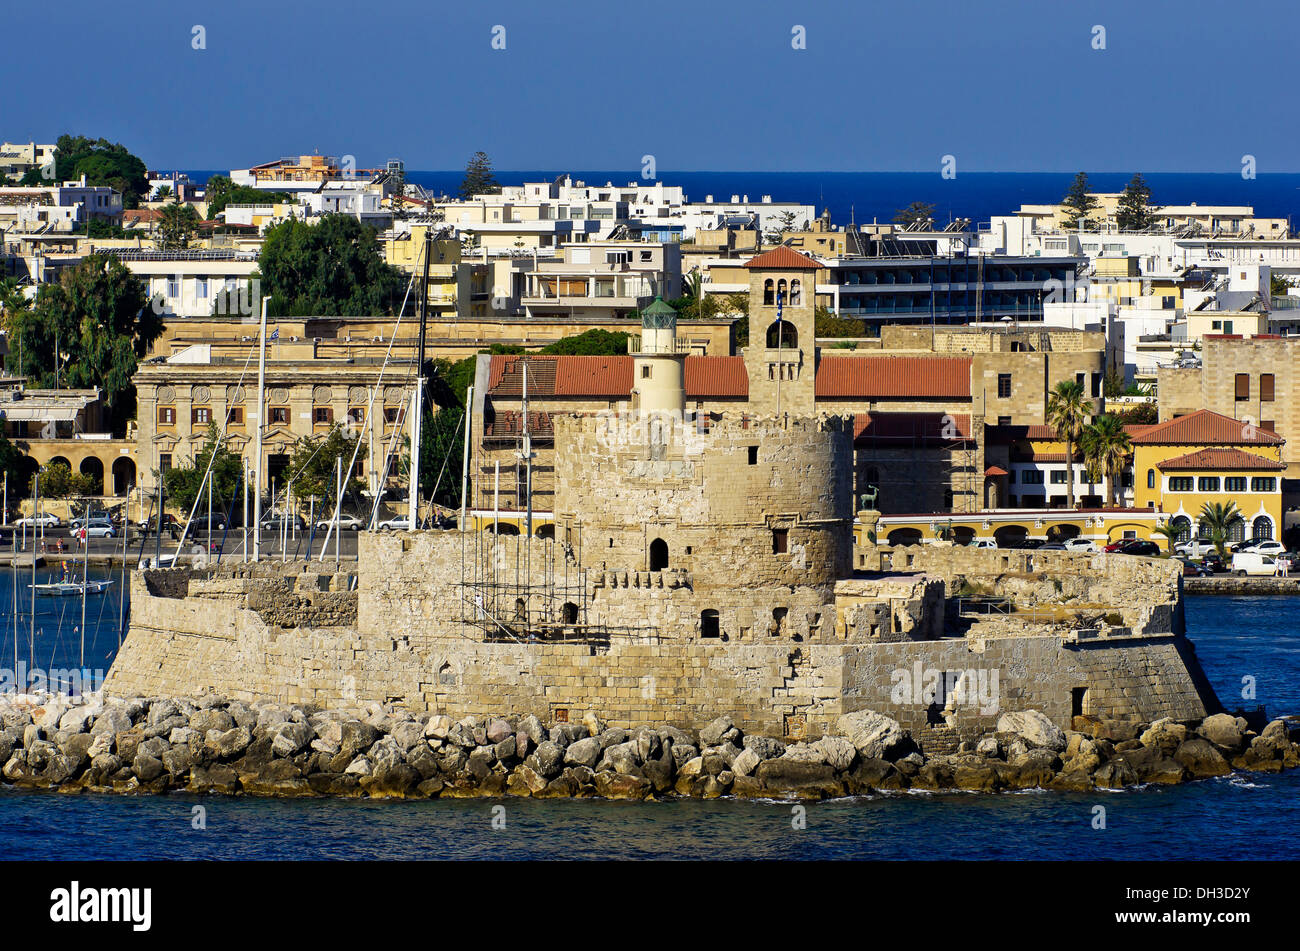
x=1002, y=85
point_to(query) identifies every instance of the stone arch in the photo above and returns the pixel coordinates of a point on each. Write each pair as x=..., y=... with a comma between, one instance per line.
x=963, y=535
x=769, y=292
x=1064, y=532
x=123, y=474
x=569, y=613
x=796, y=293
x=1183, y=525
x=658, y=555
x=1261, y=529
x=782, y=335
x=904, y=536
x=59, y=461
x=1009, y=536
x=781, y=296
x=93, y=468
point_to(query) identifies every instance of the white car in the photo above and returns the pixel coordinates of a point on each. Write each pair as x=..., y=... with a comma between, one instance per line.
x=347, y=523
x=1194, y=549
x=983, y=543
x=400, y=524
x=1080, y=544
x=44, y=520
x=1267, y=547
x=1253, y=563
x=98, y=528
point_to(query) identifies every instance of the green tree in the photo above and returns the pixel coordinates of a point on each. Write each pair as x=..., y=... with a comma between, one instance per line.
x=591, y=343
x=918, y=212
x=780, y=223
x=179, y=224
x=58, y=481
x=1106, y=448
x=101, y=161
x=1170, y=533
x=17, y=466
x=1278, y=286
x=1218, y=518
x=738, y=304
x=312, y=465
x=479, y=179
x=1078, y=202
x=220, y=191
x=332, y=269
x=184, y=483
x=1135, y=211
x=1068, y=410
x=828, y=324
x=163, y=193
x=90, y=329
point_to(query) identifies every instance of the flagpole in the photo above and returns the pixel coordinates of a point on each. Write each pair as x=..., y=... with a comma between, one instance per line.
x=257, y=450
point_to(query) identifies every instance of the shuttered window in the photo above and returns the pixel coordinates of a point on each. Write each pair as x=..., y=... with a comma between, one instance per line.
x=1243, y=386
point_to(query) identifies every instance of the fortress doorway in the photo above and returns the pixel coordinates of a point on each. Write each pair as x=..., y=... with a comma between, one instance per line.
x=658, y=555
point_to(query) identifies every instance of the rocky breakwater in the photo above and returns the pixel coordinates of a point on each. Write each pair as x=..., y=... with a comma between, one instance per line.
x=213, y=745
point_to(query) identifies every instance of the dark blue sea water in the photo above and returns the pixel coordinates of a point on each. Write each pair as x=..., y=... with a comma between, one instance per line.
x=1241, y=817
x=877, y=195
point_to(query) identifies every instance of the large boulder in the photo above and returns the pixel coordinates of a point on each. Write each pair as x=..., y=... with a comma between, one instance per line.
x=1202, y=759
x=584, y=752
x=801, y=779
x=1165, y=735
x=1224, y=731
x=211, y=719
x=221, y=744
x=764, y=747
x=872, y=734
x=837, y=751
x=719, y=731
x=290, y=738
x=1034, y=728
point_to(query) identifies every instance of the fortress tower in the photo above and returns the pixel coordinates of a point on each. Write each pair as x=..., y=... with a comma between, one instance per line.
x=781, y=358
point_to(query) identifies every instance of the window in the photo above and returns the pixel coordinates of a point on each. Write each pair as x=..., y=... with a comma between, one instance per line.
x=1151, y=478
x=1234, y=484
x=392, y=414
x=1267, y=425
x=769, y=293
x=165, y=461
x=280, y=414
x=1207, y=484
x=753, y=455
x=1004, y=420
x=658, y=555
x=200, y=414
x=166, y=415
x=1058, y=477
x=1032, y=477
x=235, y=416
x=1243, y=386
x=780, y=541
x=709, y=626
x=1262, y=528
x=1004, y=385
x=1266, y=387
x=173, y=287
x=323, y=414
x=1263, y=484
x=357, y=414
x=201, y=287
x=1180, y=483
x=645, y=372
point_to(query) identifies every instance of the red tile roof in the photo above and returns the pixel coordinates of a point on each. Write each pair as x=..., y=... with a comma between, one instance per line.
x=1004, y=435
x=1225, y=459
x=783, y=258
x=995, y=471
x=589, y=377
x=716, y=378
x=862, y=378
x=1205, y=428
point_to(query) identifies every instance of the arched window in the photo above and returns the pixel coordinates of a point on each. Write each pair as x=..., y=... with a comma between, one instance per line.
x=569, y=613
x=1237, y=530
x=780, y=292
x=709, y=626
x=796, y=293
x=1151, y=478
x=658, y=555
x=1184, y=528
x=782, y=335
x=1261, y=529
x=768, y=292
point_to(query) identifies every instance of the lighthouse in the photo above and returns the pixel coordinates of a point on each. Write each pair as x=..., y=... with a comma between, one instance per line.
x=659, y=365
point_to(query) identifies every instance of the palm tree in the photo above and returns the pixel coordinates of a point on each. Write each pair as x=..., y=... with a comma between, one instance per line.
x=1170, y=533
x=1106, y=448
x=1068, y=411
x=1218, y=517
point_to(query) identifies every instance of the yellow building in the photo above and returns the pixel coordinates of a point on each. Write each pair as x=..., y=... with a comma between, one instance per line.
x=449, y=281
x=1204, y=457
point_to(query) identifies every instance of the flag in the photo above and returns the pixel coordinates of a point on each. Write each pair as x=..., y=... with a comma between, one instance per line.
x=275, y=334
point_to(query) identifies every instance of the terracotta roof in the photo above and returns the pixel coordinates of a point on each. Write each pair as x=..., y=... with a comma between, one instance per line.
x=995, y=471
x=1205, y=428
x=141, y=214
x=1226, y=459
x=908, y=429
x=594, y=377
x=1002, y=435
x=783, y=258
x=927, y=377
x=716, y=378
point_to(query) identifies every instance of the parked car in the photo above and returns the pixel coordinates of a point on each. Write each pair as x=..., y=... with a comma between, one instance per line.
x=1053, y=546
x=1214, y=563
x=274, y=521
x=1140, y=547
x=982, y=543
x=399, y=524
x=1117, y=545
x=1194, y=548
x=1080, y=544
x=347, y=523
x=1192, y=569
x=200, y=523
x=44, y=520
x=95, y=528
x=100, y=516
x=1265, y=547
x=1289, y=560
x=150, y=523
x=1253, y=563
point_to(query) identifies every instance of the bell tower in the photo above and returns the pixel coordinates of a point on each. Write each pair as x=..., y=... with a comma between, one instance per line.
x=781, y=358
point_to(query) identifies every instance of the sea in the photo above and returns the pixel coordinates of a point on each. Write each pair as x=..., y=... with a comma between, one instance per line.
x=864, y=197
x=1249, y=647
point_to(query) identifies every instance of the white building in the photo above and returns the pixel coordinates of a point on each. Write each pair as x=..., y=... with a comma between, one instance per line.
x=187, y=283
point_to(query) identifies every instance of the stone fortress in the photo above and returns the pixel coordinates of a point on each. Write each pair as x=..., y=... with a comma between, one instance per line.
x=701, y=564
